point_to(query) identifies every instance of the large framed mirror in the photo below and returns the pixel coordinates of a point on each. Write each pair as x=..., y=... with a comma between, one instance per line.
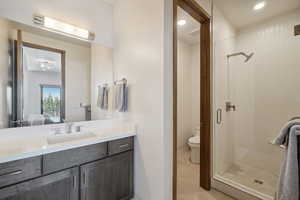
x=47, y=77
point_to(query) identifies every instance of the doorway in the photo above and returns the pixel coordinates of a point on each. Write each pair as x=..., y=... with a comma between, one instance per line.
x=200, y=16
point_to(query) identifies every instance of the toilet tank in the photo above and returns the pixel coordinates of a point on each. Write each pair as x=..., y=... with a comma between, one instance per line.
x=196, y=131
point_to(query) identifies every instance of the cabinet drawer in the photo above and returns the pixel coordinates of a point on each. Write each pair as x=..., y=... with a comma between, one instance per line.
x=20, y=170
x=121, y=145
x=58, y=186
x=73, y=157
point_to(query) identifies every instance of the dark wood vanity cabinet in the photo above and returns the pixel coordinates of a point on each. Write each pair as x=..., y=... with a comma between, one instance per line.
x=58, y=186
x=108, y=179
x=95, y=172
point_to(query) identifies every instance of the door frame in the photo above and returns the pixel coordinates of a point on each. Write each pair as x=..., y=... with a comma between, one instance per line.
x=198, y=13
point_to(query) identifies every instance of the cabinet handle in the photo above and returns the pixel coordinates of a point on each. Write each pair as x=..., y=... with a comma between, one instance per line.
x=124, y=146
x=74, y=182
x=83, y=178
x=12, y=173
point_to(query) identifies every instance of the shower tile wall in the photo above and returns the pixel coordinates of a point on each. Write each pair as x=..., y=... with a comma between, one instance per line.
x=188, y=90
x=265, y=89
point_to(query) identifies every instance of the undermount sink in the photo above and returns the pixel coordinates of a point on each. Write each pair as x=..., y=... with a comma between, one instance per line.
x=61, y=138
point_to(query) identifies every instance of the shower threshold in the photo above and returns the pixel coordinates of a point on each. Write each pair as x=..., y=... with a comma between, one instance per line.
x=237, y=190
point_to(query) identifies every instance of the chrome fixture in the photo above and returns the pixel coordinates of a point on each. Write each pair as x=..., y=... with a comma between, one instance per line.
x=297, y=30
x=258, y=181
x=241, y=54
x=219, y=115
x=68, y=127
x=122, y=81
x=230, y=106
x=87, y=111
x=78, y=128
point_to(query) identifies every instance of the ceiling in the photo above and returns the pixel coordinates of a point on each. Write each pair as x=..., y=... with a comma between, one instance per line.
x=190, y=32
x=240, y=12
x=37, y=60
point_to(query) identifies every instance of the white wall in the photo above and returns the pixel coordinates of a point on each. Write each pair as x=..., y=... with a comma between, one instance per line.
x=195, y=85
x=188, y=91
x=184, y=93
x=78, y=72
x=101, y=73
x=4, y=71
x=138, y=56
x=94, y=15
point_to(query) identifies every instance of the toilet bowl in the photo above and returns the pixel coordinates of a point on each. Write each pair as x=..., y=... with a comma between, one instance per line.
x=194, y=143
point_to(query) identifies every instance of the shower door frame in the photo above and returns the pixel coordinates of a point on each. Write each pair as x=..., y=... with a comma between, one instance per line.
x=198, y=13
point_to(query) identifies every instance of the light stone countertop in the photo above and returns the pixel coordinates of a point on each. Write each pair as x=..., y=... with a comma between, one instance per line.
x=20, y=143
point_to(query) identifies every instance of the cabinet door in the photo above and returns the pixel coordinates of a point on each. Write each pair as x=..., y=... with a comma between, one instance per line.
x=59, y=186
x=110, y=178
x=10, y=193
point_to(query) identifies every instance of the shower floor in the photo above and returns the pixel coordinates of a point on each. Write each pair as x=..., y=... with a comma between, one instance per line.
x=251, y=177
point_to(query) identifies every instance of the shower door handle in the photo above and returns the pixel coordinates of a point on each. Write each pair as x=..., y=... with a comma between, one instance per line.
x=219, y=116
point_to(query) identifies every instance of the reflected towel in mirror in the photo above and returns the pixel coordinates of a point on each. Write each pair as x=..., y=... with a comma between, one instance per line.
x=102, y=101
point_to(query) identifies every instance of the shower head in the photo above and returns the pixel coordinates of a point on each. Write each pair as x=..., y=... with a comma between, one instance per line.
x=248, y=57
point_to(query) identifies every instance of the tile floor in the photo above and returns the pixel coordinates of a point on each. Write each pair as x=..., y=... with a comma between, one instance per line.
x=188, y=181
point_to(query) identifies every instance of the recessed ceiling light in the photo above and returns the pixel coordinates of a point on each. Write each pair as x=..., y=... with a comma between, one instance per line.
x=181, y=22
x=259, y=5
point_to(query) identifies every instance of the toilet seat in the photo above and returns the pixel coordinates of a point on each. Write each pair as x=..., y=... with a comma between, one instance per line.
x=194, y=140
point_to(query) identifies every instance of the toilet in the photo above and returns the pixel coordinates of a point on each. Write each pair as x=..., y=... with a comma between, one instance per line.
x=194, y=144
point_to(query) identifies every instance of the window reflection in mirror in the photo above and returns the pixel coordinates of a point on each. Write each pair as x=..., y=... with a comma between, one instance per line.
x=50, y=103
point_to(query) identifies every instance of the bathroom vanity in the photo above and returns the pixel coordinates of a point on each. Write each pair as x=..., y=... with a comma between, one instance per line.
x=90, y=169
x=50, y=83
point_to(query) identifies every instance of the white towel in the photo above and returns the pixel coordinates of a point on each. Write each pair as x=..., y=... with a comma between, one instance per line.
x=121, y=97
x=111, y=98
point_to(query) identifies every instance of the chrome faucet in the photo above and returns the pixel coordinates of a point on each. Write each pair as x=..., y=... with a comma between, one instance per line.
x=68, y=127
x=78, y=128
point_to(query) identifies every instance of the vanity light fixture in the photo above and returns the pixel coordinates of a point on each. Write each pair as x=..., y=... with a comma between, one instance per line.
x=63, y=28
x=260, y=5
x=181, y=22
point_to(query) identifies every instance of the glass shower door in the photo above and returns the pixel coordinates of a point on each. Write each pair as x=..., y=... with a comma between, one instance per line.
x=263, y=94
x=254, y=96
